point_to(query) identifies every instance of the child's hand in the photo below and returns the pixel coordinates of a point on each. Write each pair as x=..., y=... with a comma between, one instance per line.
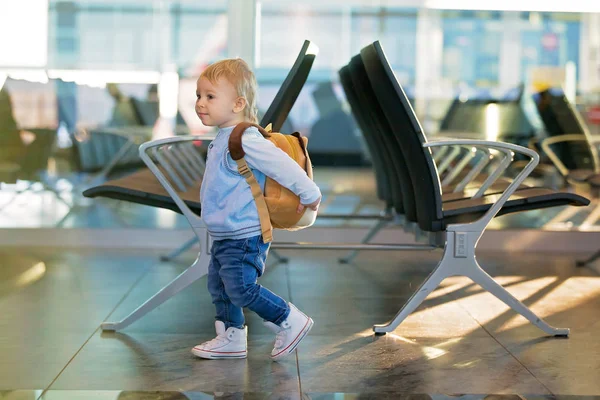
x=313, y=206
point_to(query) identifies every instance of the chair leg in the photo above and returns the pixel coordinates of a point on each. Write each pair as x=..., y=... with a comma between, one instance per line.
x=591, y=220
x=370, y=235
x=440, y=273
x=197, y=270
x=460, y=260
x=183, y=248
x=479, y=276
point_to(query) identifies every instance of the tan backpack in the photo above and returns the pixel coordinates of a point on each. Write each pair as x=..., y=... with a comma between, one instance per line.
x=277, y=205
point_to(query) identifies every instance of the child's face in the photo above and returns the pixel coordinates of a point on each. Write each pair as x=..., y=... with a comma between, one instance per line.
x=218, y=104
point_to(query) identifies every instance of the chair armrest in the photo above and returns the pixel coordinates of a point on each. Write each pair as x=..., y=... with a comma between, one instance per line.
x=445, y=160
x=546, y=143
x=481, y=223
x=169, y=166
x=445, y=163
x=460, y=166
x=497, y=173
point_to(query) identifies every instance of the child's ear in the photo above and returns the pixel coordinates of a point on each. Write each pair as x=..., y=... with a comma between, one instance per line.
x=240, y=104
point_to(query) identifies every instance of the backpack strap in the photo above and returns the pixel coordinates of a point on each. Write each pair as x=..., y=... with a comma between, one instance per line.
x=303, y=140
x=237, y=153
x=235, y=139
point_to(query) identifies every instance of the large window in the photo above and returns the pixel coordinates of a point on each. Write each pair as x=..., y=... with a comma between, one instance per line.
x=549, y=40
x=24, y=32
x=472, y=44
x=199, y=33
x=397, y=31
x=136, y=34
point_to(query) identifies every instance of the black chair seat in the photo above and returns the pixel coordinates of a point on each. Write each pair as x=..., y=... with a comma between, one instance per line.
x=142, y=187
x=496, y=188
x=499, y=186
x=464, y=211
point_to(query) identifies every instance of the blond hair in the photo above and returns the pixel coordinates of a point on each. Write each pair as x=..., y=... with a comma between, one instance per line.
x=239, y=74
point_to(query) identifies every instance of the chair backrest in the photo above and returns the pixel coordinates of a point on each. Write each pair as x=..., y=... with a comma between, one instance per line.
x=287, y=94
x=333, y=134
x=560, y=117
x=448, y=119
x=389, y=149
x=9, y=131
x=471, y=116
x=407, y=129
x=146, y=110
x=35, y=158
x=94, y=149
x=381, y=173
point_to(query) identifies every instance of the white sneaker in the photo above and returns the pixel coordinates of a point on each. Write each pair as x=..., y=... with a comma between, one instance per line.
x=290, y=333
x=230, y=343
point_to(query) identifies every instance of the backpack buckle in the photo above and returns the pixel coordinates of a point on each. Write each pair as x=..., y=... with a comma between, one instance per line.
x=243, y=169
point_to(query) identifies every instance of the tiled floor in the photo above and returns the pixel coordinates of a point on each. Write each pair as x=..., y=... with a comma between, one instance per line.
x=461, y=343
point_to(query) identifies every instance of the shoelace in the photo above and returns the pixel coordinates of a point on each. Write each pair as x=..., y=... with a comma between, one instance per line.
x=220, y=339
x=280, y=337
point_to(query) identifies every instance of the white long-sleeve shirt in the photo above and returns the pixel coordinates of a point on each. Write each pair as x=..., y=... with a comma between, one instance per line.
x=228, y=208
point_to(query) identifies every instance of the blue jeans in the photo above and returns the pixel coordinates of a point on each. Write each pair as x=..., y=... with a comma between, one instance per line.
x=234, y=268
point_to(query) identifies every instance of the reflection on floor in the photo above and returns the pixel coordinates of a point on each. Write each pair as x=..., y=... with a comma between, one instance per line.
x=345, y=191
x=461, y=343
